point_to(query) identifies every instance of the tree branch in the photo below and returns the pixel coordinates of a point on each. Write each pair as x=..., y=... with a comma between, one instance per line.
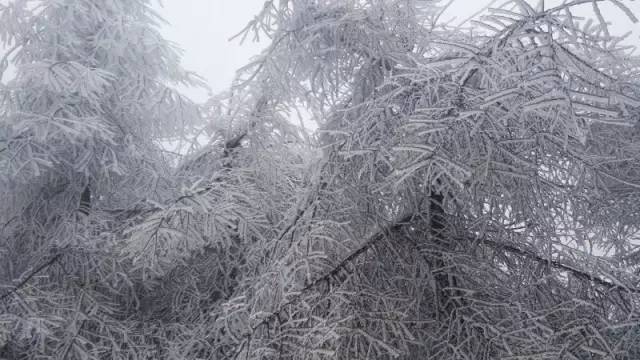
x=35, y=272
x=331, y=274
x=375, y=238
x=512, y=248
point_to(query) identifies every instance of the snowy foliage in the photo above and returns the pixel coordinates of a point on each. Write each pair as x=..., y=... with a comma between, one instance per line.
x=468, y=194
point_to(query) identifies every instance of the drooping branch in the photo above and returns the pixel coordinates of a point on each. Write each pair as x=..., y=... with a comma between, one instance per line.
x=333, y=274
x=229, y=146
x=33, y=273
x=579, y=273
x=328, y=276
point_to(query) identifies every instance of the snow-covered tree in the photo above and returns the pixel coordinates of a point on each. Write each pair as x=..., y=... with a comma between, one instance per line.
x=477, y=192
x=470, y=193
x=83, y=124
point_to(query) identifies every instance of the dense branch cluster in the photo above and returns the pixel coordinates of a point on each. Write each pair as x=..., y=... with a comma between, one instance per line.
x=469, y=193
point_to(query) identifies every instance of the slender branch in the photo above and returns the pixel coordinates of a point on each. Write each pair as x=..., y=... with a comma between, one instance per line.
x=229, y=145
x=512, y=248
x=35, y=272
x=331, y=274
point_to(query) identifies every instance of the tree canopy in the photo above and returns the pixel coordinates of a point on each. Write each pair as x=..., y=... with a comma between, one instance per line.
x=470, y=192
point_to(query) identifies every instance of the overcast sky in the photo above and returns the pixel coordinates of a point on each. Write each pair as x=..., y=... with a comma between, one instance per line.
x=202, y=29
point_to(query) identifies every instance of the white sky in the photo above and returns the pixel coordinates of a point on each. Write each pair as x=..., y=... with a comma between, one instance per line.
x=202, y=29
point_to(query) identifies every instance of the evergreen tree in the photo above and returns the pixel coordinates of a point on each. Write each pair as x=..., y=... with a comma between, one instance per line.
x=82, y=125
x=477, y=192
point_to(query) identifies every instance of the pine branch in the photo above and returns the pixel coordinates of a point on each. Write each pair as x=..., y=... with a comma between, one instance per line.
x=375, y=238
x=229, y=145
x=331, y=274
x=33, y=273
x=125, y=214
x=579, y=273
